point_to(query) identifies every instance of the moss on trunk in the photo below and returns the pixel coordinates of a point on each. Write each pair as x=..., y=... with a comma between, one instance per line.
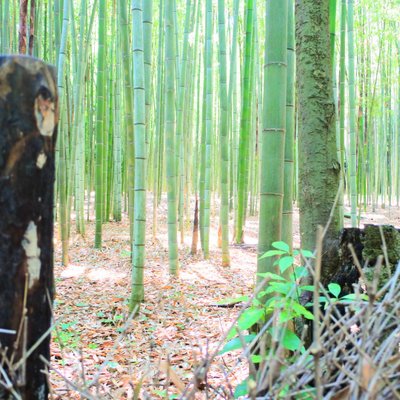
x=319, y=169
x=368, y=246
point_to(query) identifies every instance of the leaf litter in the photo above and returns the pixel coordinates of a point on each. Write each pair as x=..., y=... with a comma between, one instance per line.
x=99, y=353
x=178, y=325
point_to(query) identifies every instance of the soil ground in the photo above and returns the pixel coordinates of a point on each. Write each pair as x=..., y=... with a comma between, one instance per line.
x=178, y=326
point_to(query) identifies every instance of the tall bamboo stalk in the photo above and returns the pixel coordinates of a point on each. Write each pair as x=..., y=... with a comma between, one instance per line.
x=245, y=123
x=287, y=211
x=181, y=108
x=158, y=149
x=101, y=91
x=224, y=144
x=170, y=127
x=128, y=111
x=273, y=135
x=62, y=177
x=205, y=199
x=352, y=118
x=139, y=116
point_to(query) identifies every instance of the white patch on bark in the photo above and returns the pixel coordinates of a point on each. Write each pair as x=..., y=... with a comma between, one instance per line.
x=41, y=392
x=41, y=160
x=32, y=251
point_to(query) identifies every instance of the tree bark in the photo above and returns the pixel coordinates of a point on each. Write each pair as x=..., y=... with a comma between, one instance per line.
x=319, y=169
x=28, y=121
x=32, y=27
x=23, y=11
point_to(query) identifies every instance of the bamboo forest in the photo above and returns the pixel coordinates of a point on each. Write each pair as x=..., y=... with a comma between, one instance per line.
x=199, y=199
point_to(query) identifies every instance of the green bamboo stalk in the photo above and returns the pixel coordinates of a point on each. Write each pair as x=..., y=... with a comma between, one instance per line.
x=250, y=186
x=180, y=114
x=352, y=116
x=117, y=148
x=147, y=46
x=80, y=62
x=273, y=135
x=198, y=153
x=62, y=181
x=397, y=119
x=205, y=199
x=224, y=144
x=189, y=111
x=5, y=37
x=138, y=249
x=245, y=124
x=287, y=213
x=170, y=126
x=342, y=102
x=101, y=91
x=158, y=150
x=332, y=32
x=128, y=101
x=232, y=95
x=109, y=134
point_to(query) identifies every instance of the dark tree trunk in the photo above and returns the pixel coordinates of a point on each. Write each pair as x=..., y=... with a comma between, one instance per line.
x=23, y=11
x=31, y=27
x=28, y=120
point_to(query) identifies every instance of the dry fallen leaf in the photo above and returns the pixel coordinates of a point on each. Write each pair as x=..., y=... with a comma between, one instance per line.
x=368, y=372
x=166, y=368
x=343, y=394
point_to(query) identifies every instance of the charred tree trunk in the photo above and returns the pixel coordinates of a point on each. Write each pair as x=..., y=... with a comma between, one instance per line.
x=23, y=11
x=28, y=120
x=31, y=27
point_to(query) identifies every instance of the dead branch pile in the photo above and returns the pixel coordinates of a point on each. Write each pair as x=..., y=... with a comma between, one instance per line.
x=358, y=354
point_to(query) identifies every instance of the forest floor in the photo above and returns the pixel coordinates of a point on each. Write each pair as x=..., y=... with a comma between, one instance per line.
x=96, y=344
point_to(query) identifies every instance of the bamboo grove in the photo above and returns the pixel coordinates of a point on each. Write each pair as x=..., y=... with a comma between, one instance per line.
x=173, y=100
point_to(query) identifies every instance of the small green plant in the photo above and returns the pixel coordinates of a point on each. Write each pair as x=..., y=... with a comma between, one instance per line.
x=66, y=336
x=282, y=292
x=114, y=320
x=334, y=291
x=164, y=394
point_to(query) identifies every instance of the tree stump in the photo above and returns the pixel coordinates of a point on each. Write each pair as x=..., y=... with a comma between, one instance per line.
x=368, y=245
x=374, y=247
x=28, y=122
